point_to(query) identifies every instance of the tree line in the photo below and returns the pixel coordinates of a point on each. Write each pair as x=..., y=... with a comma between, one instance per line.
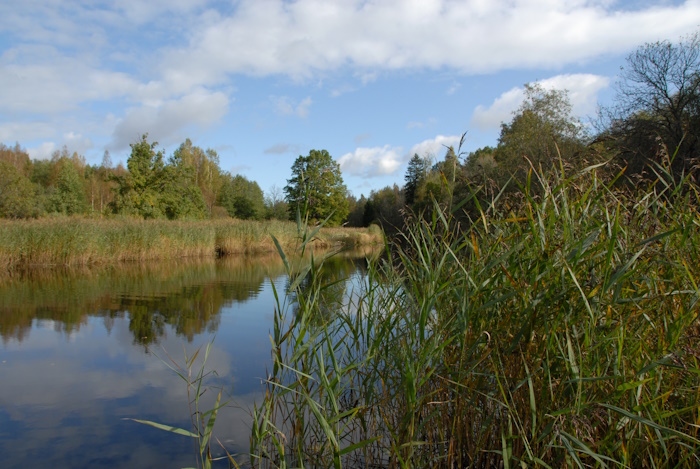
x=653, y=119
x=188, y=184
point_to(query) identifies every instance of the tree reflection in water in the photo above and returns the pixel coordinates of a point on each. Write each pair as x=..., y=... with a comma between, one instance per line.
x=187, y=295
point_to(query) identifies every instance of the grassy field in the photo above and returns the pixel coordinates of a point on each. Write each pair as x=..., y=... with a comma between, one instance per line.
x=561, y=333
x=85, y=241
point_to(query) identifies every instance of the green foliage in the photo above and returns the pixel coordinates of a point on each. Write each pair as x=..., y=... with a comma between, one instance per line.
x=385, y=208
x=561, y=332
x=316, y=188
x=542, y=129
x=275, y=205
x=69, y=195
x=145, y=178
x=17, y=194
x=152, y=189
x=204, y=171
x=415, y=176
x=180, y=197
x=242, y=198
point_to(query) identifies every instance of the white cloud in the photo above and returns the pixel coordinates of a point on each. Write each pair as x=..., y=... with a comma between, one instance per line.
x=164, y=122
x=372, y=162
x=583, y=91
x=434, y=147
x=24, y=131
x=77, y=142
x=42, y=152
x=387, y=160
x=286, y=106
x=303, y=37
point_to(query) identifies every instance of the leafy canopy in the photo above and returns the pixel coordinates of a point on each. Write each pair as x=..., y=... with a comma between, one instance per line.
x=317, y=187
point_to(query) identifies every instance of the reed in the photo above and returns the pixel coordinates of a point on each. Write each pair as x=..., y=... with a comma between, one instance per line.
x=562, y=332
x=84, y=241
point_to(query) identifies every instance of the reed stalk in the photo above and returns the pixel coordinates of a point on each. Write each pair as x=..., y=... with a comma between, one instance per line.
x=560, y=332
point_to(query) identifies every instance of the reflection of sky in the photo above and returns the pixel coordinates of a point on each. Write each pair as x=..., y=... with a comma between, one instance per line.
x=64, y=396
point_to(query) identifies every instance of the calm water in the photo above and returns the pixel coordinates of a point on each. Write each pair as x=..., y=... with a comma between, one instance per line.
x=83, y=350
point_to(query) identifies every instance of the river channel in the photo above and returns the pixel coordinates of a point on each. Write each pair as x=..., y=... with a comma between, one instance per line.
x=84, y=351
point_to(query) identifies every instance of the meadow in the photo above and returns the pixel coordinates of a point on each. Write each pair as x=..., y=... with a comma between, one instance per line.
x=80, y=241
x=557, y=329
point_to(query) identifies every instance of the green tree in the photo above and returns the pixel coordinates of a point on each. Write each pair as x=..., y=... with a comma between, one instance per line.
x=242, y=198
x=385, y=207
x=69, y=195
x=317, y=186
x=541, y=125
x=138, y=191
x=17, y=195
x=205, y=171
x=180, y=196
x=415, y=177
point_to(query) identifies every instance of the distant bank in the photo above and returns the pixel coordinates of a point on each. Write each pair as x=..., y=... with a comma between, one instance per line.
x=84, y=241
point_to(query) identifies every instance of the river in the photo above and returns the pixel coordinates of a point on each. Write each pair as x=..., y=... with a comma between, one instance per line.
x=85, y=351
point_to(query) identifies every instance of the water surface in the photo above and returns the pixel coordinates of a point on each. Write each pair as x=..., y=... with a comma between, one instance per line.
x=84, y=350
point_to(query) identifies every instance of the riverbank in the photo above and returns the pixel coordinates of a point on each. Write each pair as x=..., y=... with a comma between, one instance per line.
x=84, y=241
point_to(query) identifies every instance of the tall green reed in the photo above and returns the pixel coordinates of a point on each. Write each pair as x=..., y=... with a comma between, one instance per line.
x=559, y=332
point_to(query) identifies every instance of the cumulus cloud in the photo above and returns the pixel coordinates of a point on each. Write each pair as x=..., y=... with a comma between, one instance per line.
x=23, y=131
x=434, y=147
x=304, y=37
x=286, y=106
x=165, y=121
x=387, y=160
x=583, y=91
x=43, y=151
x=372, y=162
x=77, y=142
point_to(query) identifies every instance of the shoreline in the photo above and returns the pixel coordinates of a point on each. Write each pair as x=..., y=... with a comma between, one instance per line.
x=79, y=241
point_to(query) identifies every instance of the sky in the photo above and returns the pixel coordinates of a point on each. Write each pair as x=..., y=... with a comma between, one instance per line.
x=264, y=81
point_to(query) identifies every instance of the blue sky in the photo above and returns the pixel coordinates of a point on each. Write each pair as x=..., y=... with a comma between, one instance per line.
x=263, y=81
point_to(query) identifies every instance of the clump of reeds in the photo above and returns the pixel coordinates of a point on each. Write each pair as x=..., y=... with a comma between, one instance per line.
x=82, y=241
x=561, y=333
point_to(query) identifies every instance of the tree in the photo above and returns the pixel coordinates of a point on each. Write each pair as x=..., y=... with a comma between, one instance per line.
x=317, y=187
x=17, y=195
x=415, y=176
x=242, y=198
x=542, y=128
x=17, y=156
x=385, y=207
x=69, y=196
x=138, y=191
x=106, y=160
x=205, y=172
x=657, y=104
x=275, y=205
x=180, y=196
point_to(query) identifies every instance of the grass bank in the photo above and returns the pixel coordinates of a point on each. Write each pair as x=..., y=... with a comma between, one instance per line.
x=560, y=333
x=85, y=241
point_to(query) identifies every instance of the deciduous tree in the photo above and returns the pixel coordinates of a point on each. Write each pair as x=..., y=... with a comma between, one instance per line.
x=317, y=186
